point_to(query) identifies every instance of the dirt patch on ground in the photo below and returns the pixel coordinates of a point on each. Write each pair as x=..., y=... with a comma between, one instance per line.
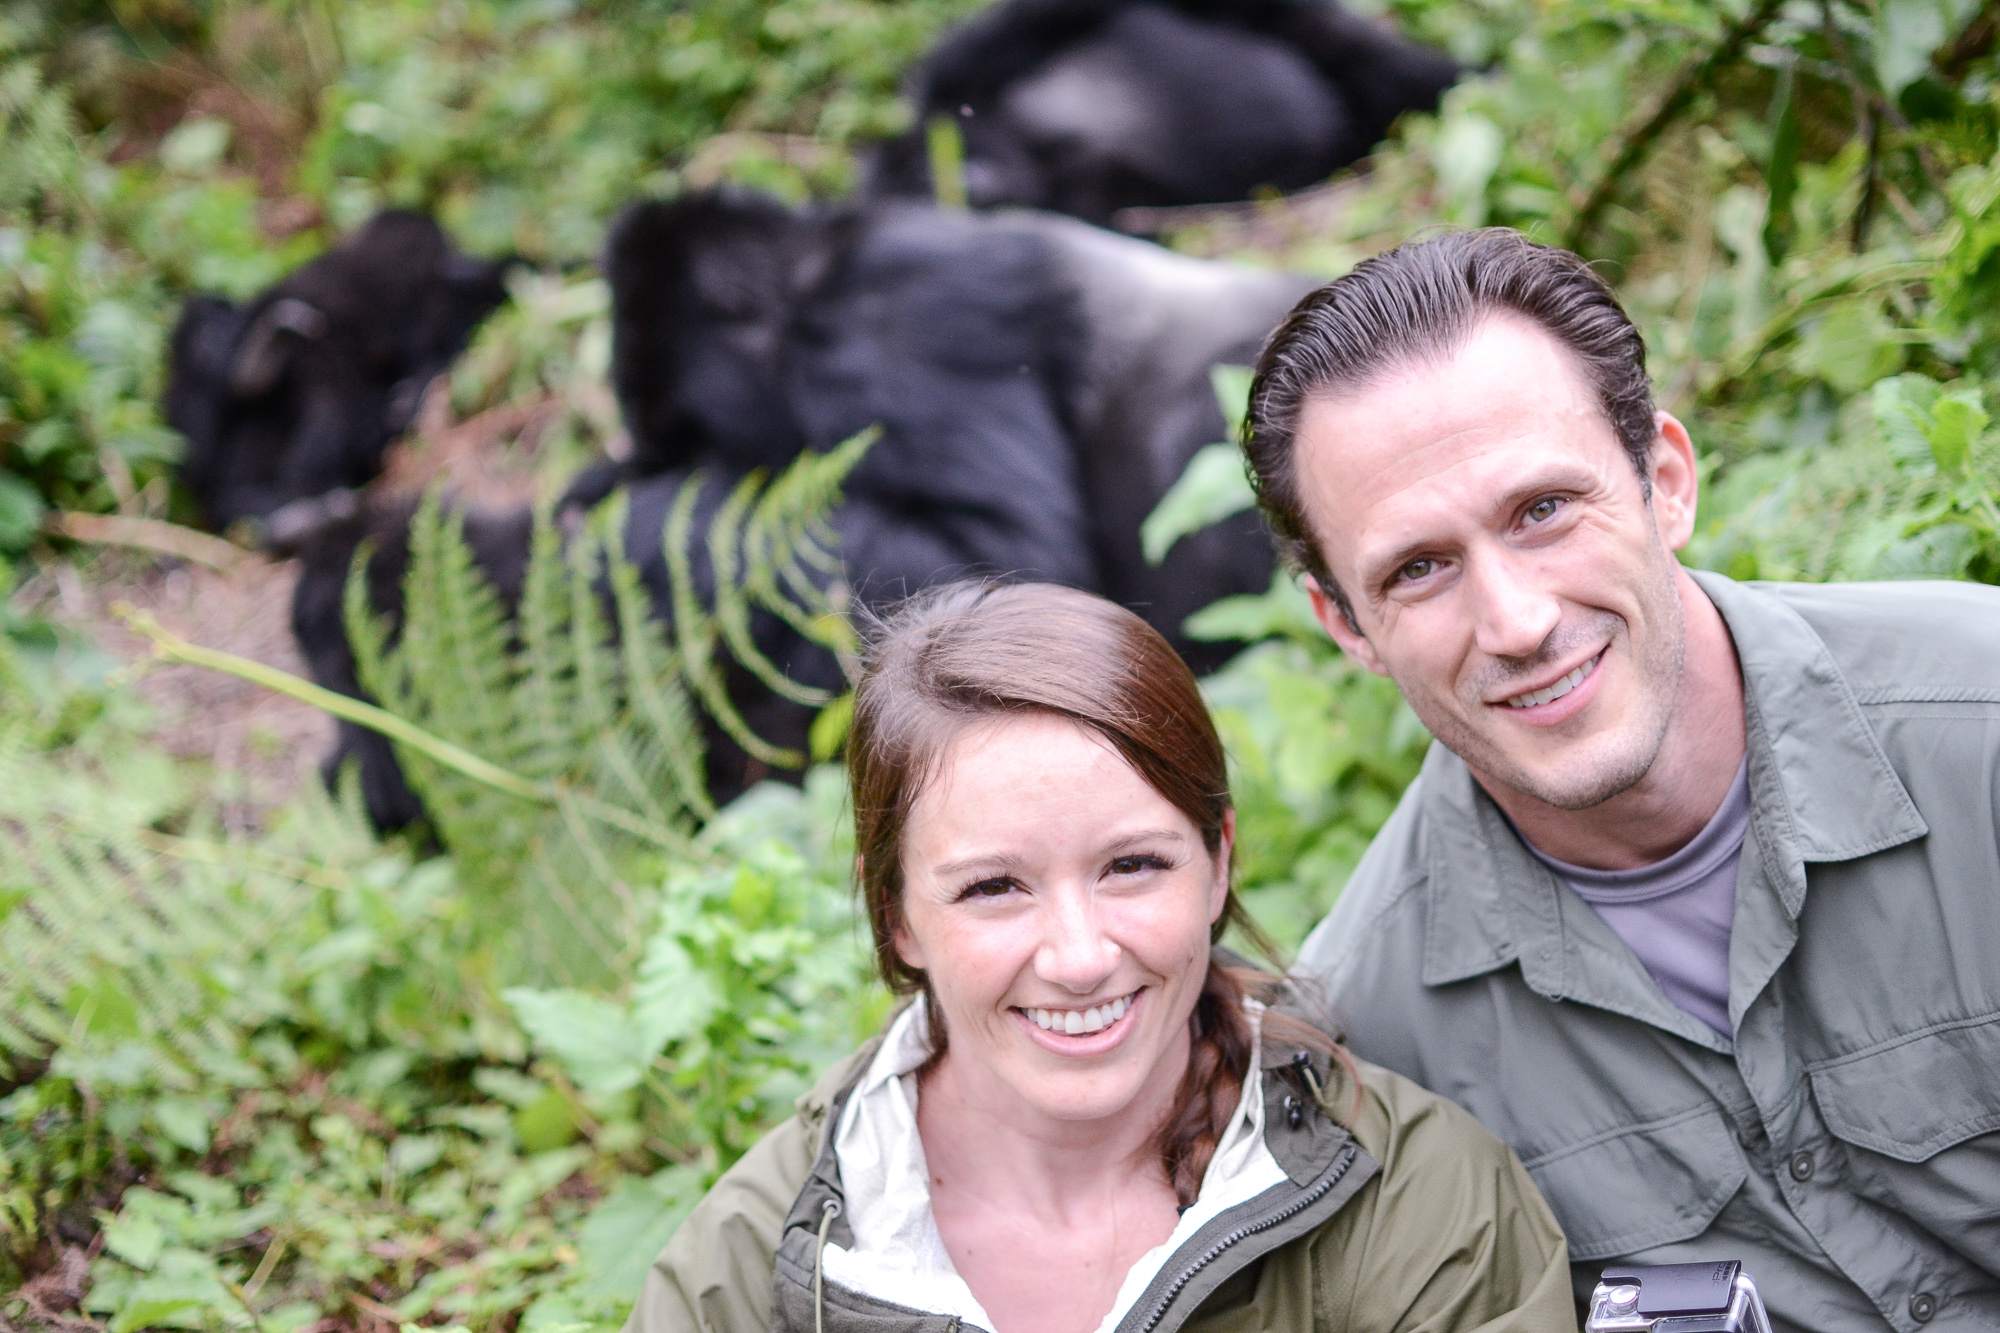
x=263, y=743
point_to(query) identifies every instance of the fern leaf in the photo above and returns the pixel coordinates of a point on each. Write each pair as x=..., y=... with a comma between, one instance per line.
x=697, y=635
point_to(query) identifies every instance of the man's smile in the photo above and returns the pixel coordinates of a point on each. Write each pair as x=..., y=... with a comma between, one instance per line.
x=1558, y=688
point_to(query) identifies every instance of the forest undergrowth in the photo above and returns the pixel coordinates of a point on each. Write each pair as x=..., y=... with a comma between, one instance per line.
x=283, y=1074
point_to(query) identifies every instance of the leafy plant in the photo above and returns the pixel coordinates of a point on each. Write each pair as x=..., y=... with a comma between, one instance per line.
x=280, y=1069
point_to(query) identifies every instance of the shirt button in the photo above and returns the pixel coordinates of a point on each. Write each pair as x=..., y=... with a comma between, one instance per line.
x=1802, y=1166
x=1922, y=1306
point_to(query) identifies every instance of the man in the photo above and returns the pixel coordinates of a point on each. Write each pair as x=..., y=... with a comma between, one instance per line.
x=1697, y=901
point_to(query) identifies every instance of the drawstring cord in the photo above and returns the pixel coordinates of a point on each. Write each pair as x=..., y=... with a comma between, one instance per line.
x=1303, y=1063
x=827, y=1212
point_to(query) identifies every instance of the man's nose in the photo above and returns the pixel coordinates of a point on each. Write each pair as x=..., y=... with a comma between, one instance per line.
x=1513, y=610
x=1076, y=953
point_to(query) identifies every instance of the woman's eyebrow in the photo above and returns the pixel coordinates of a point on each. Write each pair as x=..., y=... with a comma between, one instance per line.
x=995, y=863
x=1143, y=837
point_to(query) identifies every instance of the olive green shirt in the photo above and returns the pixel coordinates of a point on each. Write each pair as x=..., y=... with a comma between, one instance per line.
x=1843, y=1143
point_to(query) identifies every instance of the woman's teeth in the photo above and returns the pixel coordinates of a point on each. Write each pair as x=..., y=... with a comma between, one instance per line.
x=1076, y=1022
x=1549, y=694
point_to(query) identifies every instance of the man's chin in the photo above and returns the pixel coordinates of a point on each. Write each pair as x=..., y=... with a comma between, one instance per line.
x=1573, y=786
x=1576, y=776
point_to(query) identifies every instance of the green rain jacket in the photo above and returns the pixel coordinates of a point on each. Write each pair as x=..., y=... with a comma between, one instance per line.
x=1415, y=1220
x=1843, y=1144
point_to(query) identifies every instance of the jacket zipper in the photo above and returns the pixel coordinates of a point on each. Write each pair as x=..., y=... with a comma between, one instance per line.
x=1312, y=1196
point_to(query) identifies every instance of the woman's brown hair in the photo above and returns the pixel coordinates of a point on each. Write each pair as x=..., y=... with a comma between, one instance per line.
x=968, y=652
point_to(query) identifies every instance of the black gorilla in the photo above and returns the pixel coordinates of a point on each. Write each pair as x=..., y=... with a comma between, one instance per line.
x=295, y=395
x=1089, y=106
x=1039, y=384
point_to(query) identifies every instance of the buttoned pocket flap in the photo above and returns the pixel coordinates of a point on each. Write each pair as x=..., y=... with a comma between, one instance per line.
x=1915, y=1096
x=1627, y=1190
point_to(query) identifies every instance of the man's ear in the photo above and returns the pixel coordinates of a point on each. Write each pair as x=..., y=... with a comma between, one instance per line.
x=1676, y=481
x=1334, y=621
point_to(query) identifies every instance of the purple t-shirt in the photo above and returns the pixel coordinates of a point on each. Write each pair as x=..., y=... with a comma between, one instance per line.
x=1676, y=914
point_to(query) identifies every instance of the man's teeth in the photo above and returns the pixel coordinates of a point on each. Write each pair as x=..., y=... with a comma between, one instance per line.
x=1075, y=1022
x=1556, y=691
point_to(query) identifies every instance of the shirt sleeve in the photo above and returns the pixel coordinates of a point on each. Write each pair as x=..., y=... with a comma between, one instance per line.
x=1451, y=1236
x=715, y=1274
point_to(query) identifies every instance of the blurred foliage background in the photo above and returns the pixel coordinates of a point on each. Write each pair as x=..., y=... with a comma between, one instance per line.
x=279, y=1074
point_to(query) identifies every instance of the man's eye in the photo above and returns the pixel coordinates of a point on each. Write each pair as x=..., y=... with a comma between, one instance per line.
x=1416, y=569
x=1544, y=509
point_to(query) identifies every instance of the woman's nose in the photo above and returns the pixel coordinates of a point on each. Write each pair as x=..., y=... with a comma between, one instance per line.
x=1075, y=952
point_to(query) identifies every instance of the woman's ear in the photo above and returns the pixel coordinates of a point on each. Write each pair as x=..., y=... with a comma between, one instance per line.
x=1218, y=893
x=906, y=947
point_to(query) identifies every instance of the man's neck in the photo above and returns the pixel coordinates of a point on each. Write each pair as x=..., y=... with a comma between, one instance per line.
x=1681, y=792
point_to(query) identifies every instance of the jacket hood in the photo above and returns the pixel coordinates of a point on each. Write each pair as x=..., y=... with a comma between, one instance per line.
x=1284, y=1167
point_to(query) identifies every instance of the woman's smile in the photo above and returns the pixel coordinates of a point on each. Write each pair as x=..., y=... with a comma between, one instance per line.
x=1073, y=1031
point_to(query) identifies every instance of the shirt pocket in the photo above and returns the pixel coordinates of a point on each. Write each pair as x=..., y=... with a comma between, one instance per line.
x=1912, y=1097
x=1627, y=1190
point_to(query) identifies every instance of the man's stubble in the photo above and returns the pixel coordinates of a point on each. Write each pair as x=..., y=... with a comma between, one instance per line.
x=1626, y=760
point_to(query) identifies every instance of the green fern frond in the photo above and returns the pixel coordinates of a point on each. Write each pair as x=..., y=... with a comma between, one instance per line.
x=114, y=935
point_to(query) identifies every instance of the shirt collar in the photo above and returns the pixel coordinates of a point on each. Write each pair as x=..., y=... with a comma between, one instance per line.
x=897, y=1254
x=1821, y=790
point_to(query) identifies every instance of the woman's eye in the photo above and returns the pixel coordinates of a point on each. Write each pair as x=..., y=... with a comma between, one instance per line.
x=1132, y=865
x=1417, y=569
x=1544, y=509
x=987, y=888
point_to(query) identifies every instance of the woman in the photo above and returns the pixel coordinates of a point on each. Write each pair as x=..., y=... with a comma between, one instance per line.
x=1082, y=1121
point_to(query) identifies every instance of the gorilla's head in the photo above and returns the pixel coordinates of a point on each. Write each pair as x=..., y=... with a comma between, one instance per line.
x=705, y=290
x=299, y=391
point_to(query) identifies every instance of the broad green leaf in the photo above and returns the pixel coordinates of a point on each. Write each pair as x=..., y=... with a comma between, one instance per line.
x=1851, y=348
x=598, y=1044
x=1781, y=174
x=135, y=1237
x=1906, y=32
x=829, y=728
x=196, y=145
x=21, y=509
x=1283, y=611
x=1467, y=152
x=672, y=998
x=547, y=1123
x=627, y=1231
x=1213, y=486
x=1941, y=552
x=168, y=1311
x=1232, y=394
x=184, y=1120
x=1902, y=406
x=1958, y=419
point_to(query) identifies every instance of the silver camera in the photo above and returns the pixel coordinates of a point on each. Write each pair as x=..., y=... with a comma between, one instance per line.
x=1677, y=1298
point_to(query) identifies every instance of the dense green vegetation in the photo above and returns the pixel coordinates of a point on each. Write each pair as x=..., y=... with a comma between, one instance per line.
x=296, y=1076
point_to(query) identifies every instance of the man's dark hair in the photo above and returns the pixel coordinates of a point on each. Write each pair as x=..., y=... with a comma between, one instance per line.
x=1421, y=302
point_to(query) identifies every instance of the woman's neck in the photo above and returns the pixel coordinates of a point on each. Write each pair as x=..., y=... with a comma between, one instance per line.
x=1043, y=1217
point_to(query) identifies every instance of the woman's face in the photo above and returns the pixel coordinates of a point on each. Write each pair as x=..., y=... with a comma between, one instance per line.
x=1061, y=908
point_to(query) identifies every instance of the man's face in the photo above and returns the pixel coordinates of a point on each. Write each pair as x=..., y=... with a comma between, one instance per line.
x=1502, y=561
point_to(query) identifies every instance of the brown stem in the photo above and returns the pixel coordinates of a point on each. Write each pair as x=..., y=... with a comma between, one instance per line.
x=145, y=534
x=1866, y=127
x=1635, y=145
